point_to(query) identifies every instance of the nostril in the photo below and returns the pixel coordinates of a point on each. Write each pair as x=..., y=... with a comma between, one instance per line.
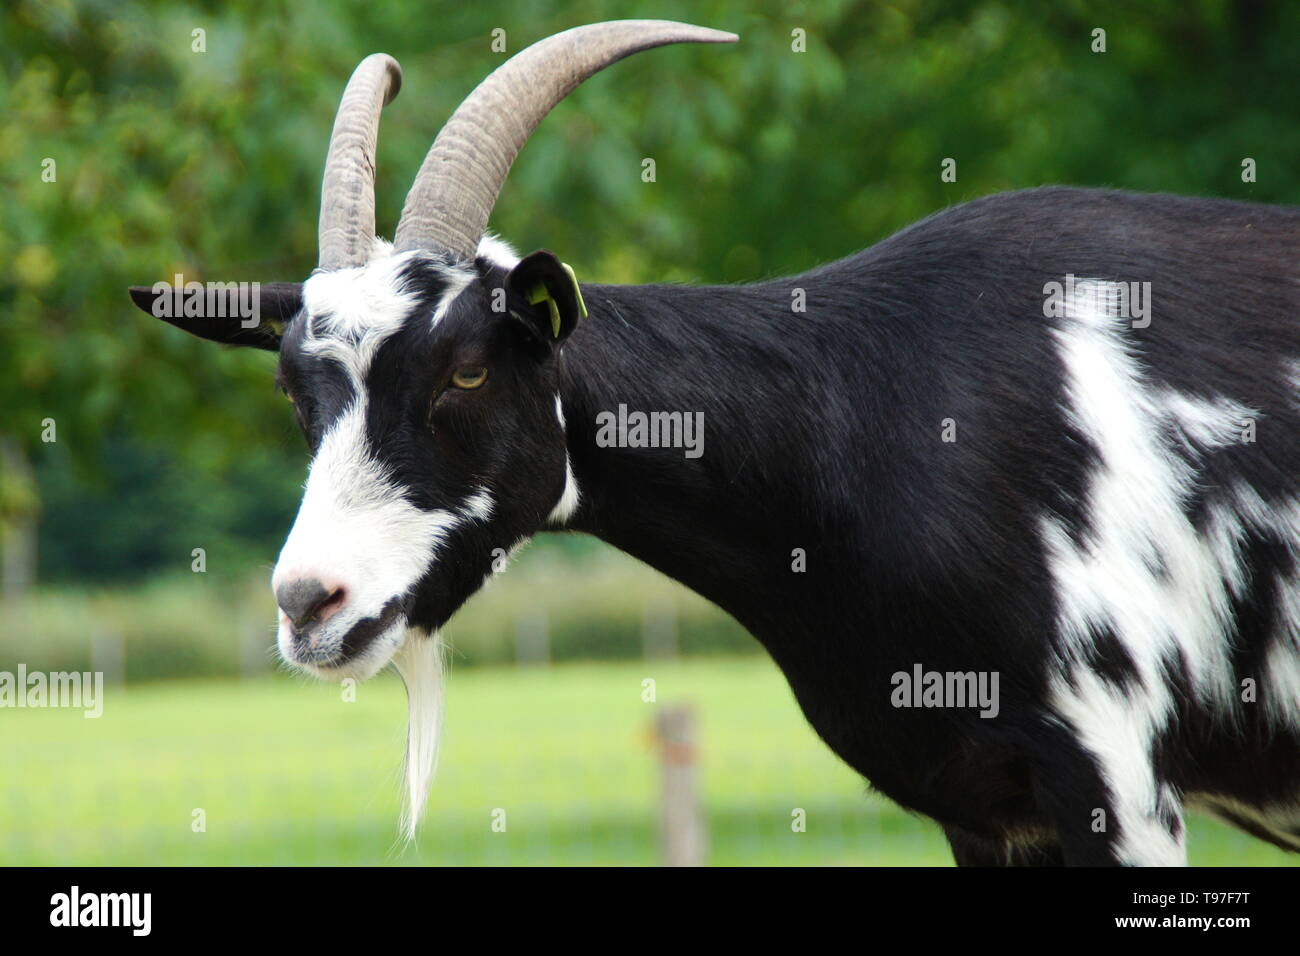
x=331, y=604
x=306, y=600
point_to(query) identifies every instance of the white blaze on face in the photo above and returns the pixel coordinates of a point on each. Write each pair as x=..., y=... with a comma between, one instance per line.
x=355, y=530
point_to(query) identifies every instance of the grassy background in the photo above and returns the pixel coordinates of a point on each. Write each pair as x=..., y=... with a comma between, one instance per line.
x=287, y=772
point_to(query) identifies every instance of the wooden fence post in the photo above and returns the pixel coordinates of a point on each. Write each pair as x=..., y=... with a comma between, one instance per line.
x=532, y=641
x=108, y=654
x=682, y=834
x=659, y=630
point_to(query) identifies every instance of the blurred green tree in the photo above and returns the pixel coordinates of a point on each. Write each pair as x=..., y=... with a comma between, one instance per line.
x=127, y=155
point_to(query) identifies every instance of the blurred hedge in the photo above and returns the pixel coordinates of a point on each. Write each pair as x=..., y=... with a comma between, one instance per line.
x=210, y=625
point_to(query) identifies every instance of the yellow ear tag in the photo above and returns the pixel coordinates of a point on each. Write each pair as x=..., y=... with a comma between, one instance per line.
x=540, y=295
x=582, y=306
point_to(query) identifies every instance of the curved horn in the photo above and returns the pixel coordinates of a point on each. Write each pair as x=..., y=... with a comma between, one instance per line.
x=454, y=192
x=347, y=195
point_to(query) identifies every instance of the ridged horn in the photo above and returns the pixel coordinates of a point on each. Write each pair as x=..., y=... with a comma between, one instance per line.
x=458, y=182
x=347, y=195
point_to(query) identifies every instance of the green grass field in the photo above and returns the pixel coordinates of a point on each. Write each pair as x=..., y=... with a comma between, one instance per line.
x=286, y=772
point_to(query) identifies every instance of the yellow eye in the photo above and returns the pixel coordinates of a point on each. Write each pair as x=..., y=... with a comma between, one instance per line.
x=285, y=393
x=471, y=376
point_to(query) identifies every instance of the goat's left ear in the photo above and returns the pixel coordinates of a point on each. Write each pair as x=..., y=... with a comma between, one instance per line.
x=238, y=318
x=544, y=294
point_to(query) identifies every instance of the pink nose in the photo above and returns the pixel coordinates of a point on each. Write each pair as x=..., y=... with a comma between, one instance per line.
x=309, y=601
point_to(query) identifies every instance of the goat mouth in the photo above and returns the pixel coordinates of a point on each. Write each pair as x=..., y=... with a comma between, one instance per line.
x=363, y=633
x=353, y=644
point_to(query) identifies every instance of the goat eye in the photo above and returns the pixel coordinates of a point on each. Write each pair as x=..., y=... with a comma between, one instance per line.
x=471, y=376
x=285, y=392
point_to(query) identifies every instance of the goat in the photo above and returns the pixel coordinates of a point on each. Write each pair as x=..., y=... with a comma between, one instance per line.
x=942, y=468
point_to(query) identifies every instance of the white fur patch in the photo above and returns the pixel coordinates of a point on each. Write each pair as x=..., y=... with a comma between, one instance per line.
x=1143, y=570
x=458, y=280
x=1117, y=730
x=351, y=312
x=479, y=505
x=363, y=301
x=568, y=503
x=569, y=499
x=1211, y=424
x=1135, y=504
x=497, y=251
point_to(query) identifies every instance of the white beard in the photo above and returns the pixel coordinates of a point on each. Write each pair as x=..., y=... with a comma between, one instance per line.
x=421, y=663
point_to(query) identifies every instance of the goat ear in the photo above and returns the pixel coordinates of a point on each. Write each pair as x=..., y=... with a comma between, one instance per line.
x=544, y=294
x=230, y=313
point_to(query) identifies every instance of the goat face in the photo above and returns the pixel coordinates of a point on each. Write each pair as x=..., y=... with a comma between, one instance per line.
x=437, y=445
x=427, y=392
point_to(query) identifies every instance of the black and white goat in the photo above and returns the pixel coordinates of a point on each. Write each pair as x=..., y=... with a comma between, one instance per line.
x=955, y=465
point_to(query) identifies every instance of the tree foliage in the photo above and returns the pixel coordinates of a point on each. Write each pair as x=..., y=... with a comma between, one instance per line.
x=767, y=160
